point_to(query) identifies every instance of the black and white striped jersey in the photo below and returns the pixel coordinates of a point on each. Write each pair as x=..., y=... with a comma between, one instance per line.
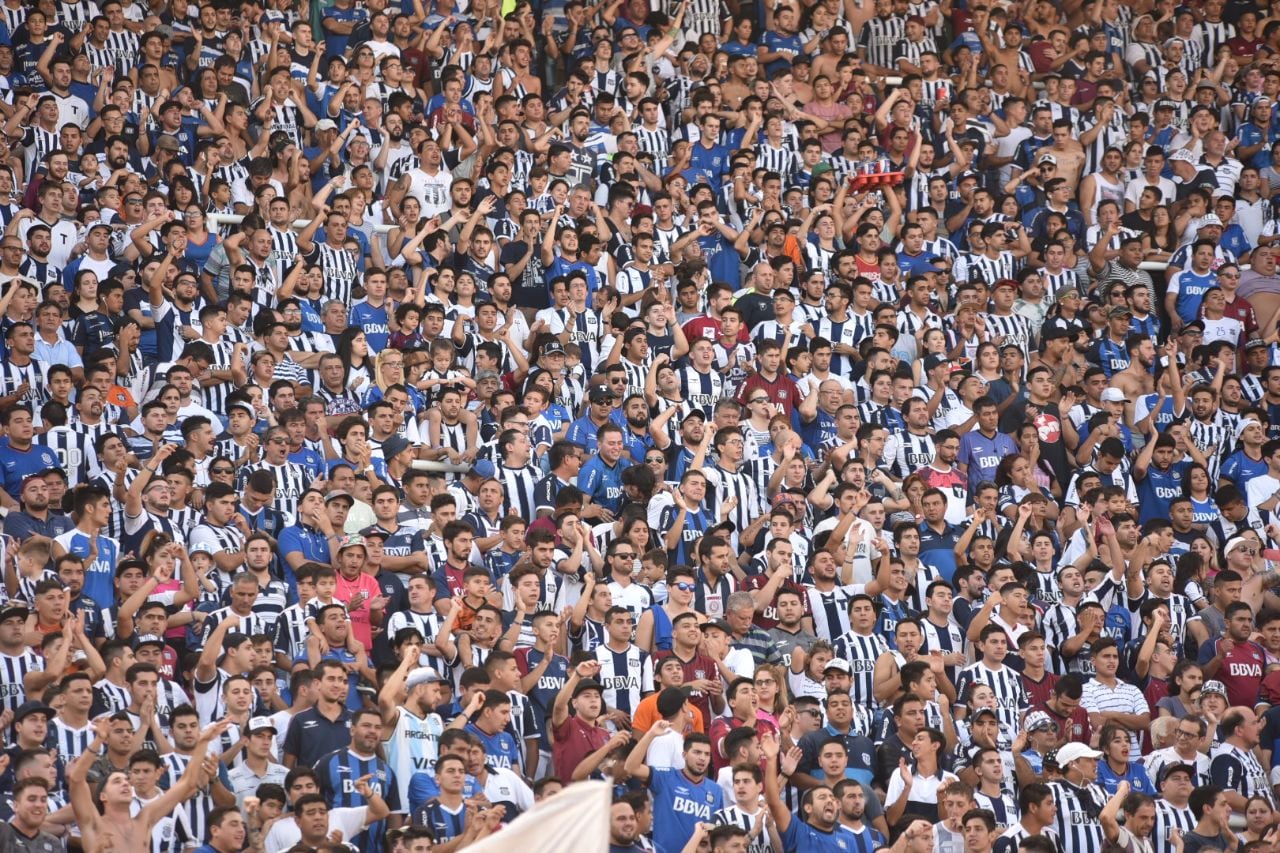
x=880, y=38
x=1168, y=818
x=831, y=610
x=518, y=489
x=291, y=479
x=109, y=698
x=291, y=631
x=193, y=813
x=73, y=449
x=68, y=740
x=14, y=669
x=1002, y=806
x=117, y=52
x=284, y=248
x=702, y=17
x=1010, y=329
x=739, y=486
x=1077, y=825
x=910, y=51
x=701, y=390
x=341, y=270
x=626, y=676
x=13, y=18
x=781, y=160
x=1006, y=683
x=1213, y=34
x=914, y=451
x=656, y=142
x=746, y=821
x=215, y=539
x=75, y=15
x=861, y=651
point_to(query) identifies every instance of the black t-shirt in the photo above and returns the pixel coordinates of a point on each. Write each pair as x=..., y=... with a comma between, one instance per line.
x=1048, y=422
x=529, y=290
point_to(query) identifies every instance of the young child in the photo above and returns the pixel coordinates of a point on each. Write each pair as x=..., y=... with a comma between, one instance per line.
x=29, y=566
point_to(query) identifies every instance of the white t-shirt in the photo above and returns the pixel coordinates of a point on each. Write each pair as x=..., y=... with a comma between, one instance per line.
x=285, y=833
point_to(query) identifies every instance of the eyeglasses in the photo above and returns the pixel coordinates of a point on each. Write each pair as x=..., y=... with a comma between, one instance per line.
x=762, y=681
x=810, y=712
x=1228, y=275
x=685, y=587
x=279, y=440
x=758, y=400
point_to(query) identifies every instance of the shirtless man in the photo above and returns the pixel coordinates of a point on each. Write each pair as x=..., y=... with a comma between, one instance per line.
x=1136, y=379
x=114, y=830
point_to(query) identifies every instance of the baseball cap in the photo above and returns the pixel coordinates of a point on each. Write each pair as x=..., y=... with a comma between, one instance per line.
x=1112, y=395
x=1165, y=104
x=351, y=542
x=260, y=724
x=1211, y=219
x=553, y=348
x=1005, y=282
x=1048, y=158
x=1119, y=311
x=243, y=407
x=600, y=394
x=394, y=446
x=932, y=362
x=1073, y=751
x=148, y=640
x=1182, y=155
x=31, y=706
x=10, y=609
x=1169, y=769
x=717, y=624
x=839, y=664
x=422, y=675
x=483, y=468
x=339, y=494
x=585, y=685
x=1213, y=685
x=1252, y=343
x=1194, y=325
x=1066, y=291
x=326, y=124
x=984, y=712
x=1038, y=721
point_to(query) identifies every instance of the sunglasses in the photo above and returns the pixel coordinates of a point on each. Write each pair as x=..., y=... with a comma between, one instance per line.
x=222, y=470
x=685, y=587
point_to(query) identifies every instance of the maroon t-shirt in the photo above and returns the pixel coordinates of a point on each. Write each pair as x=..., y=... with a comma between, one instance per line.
x=695, y=669
x=572, y=741
x=1241, y=672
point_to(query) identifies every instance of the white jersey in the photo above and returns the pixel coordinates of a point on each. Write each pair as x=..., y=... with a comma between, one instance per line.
x=431, y=191
x=413, y=747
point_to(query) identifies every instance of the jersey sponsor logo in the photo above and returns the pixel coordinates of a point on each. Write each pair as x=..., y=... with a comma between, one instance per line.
x=683, y=805
x=621, y=682
x=1245, y=670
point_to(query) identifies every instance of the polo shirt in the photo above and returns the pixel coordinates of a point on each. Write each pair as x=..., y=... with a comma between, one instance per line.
x=572, y=741
x=312, y=735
